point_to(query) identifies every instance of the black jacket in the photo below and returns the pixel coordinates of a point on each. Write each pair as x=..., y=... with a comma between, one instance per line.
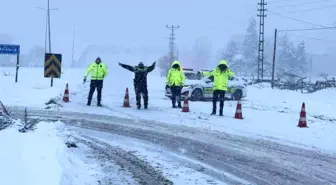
x=140, y=74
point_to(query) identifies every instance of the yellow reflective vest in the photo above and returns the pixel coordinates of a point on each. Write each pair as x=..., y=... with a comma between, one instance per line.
x=221, y=78
x=175, y=77
x=98, y=71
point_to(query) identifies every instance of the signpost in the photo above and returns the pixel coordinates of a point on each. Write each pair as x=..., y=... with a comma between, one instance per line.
x=10, y=49
x=52, y=66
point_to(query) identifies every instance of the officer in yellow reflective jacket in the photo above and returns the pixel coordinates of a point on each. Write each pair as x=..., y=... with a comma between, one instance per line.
x=221, y=75
x=98, y=72
x=175, y=81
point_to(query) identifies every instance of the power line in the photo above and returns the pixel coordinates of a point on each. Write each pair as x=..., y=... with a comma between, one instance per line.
x=312, y=9
x=308, y=29
x=298, y=20
x=299, y=4
x=279, y=1
x=313, y=38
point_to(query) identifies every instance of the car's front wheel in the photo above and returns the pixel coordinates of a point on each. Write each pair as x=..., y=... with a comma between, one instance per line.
x=196, y=95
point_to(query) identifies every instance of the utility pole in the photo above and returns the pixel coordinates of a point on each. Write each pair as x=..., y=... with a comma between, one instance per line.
x=274, y=52
x=73, y=47
x=310, y=68
x=171, y=42
x=261, y=39
x=48, y=30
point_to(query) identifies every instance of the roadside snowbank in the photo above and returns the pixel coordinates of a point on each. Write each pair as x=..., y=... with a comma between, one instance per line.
x=40, y=157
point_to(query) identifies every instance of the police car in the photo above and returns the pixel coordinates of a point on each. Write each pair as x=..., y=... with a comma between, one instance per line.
x=200, y=88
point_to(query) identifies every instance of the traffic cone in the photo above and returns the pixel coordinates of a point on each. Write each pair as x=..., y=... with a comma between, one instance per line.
x=239, y=113
x=185, y=107
x=303, y=120
x=66, y=93
x=126, y=99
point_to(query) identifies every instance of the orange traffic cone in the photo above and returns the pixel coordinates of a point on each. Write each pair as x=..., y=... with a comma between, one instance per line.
x=303, y=120
x=185, y=107
x=66, y=93
x=239, y=113
x=126, y=99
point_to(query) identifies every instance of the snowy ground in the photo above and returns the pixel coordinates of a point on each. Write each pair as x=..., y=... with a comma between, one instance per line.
x=270, y=114
x=41, y=157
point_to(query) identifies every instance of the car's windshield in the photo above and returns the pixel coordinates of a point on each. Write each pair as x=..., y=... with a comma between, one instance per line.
x=192, y=76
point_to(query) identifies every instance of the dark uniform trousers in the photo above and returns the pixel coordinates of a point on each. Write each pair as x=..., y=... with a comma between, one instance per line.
x=176, y=94
x=96, y=84
x=141, y=89
x=218, y=94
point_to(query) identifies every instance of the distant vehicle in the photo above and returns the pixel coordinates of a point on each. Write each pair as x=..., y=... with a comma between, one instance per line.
x=203, y=89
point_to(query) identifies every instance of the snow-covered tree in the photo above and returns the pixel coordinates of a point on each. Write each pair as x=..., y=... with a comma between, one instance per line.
x=234, y=58
x=201, y=52
x=286, y=56
x=301, y=63
x=231, y=51
x=250, y=47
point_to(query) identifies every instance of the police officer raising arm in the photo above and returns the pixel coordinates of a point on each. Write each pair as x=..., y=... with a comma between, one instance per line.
x=140, y=81
x=221, y=75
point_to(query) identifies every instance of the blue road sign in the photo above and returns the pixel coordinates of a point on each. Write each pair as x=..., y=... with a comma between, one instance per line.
x=9, y=49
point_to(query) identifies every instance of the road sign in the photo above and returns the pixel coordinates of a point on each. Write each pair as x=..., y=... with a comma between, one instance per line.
x=9, y=49
x=52, y=65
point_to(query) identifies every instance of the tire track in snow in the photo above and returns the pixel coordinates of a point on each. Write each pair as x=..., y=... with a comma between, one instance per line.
x=142, y=171
x=252, y=168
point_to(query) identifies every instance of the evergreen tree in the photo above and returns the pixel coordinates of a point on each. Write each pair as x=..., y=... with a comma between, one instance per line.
x=301, y=62
x=234, y=58
x=231, y=51
x=250, y=47
x=286, y=56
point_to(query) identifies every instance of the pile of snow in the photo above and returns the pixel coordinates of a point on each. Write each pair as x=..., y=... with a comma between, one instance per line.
x=41, y=157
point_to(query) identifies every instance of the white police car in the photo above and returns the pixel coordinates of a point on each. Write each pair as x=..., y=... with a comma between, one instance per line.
x=202, y=89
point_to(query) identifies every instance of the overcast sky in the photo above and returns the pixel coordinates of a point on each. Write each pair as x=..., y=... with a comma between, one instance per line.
x=135, y=23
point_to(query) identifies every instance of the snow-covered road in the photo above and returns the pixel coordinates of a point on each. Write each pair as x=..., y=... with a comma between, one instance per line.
x=227, y=158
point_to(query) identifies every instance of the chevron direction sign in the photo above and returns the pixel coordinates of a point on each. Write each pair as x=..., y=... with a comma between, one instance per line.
x=52, y=65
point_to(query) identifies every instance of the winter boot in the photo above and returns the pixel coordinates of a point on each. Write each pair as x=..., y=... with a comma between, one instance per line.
x=221, y=106
x=99, y=103
x=88, y=102
x=146, y=106
x=213, y=111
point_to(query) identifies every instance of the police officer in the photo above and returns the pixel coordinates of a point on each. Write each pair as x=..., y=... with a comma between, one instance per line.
x=221, y=75
x=98, y=72
x=175, y=81
x=140, y=81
